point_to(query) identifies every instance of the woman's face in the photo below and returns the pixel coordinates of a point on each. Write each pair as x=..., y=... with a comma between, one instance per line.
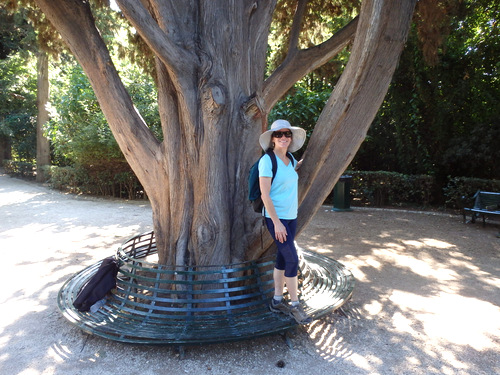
x=282, y=139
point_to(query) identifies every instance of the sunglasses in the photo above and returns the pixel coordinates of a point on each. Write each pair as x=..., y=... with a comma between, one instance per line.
x=287, y=134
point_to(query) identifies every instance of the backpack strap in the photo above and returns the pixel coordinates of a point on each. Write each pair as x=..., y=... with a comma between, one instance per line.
x=291, y=158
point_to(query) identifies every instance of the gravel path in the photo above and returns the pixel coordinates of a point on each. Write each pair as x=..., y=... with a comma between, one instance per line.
x=427, y=298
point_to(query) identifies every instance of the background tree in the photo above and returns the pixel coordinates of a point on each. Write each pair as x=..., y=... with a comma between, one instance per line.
x=17, y=100
x=26, y=43
x=34, y=40
x=210, y=60
x=442, y=113
x=42, y=102
x=86, y=155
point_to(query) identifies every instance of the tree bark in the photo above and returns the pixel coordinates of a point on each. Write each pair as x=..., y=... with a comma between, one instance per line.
x=42, y=142
x=213, y=104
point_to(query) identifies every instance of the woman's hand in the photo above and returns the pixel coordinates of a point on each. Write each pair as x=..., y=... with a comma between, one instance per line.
x=279, y=231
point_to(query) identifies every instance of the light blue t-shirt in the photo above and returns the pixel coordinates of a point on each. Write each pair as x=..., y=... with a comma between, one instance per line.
x=284, y=189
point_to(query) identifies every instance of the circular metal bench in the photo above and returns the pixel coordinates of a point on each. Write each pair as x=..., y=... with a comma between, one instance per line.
x=156, y=304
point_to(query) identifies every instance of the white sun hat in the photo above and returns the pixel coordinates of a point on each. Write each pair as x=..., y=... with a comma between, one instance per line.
x=298, y=135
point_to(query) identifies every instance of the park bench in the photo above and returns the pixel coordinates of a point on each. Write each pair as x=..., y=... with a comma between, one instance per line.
x=485, y=204
x=156, y=304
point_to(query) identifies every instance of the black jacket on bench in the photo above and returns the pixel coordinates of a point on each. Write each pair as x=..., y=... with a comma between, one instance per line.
x=98, y=286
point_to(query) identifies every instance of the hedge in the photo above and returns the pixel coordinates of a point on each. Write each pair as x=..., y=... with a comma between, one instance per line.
x=121, y=184
x=19, y=169
x=373, y=188
x=381, y=188
x=459, y=190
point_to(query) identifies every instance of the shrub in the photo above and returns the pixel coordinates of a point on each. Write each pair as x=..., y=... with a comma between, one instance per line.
x=459, y=190
x=380, y=188
x=96, y=181
x=19, y=169
x=63, y=178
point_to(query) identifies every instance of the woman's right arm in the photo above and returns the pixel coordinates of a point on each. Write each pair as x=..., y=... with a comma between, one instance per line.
x=265, y=191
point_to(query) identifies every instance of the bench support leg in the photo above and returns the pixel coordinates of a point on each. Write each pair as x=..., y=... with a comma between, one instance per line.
x=287, y=338
x=181, y=351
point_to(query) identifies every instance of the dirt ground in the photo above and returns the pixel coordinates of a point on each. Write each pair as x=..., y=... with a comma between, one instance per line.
x=426, y=301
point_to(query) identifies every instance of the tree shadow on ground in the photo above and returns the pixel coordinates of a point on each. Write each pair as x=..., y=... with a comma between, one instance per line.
x=426, y=297
x=45, y=237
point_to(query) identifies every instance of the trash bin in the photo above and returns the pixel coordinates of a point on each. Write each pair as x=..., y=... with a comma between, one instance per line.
x=342, y=194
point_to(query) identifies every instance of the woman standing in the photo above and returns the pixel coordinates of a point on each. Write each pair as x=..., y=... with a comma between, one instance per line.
x=280, y=197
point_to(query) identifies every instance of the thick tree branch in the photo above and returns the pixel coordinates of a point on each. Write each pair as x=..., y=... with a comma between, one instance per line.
x=296, y=26
x=178, y=60
x=73, y=19
x=340, y=130
x=303, y=62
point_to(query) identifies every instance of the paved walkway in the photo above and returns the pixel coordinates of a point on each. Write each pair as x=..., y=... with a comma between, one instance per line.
x=427, y=299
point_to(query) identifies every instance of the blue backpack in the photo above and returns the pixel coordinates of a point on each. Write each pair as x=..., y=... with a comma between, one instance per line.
x=254, y=194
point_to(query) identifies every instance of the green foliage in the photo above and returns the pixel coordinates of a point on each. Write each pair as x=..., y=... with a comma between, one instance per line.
x=142, y=89
x=21, y=129
x=19, y=169
x=80, y=134
x=86, y=152
x=381, y=188
x=78, y=129
x=321, y=19
x=443, y=119
x=459, y=190
x=104, y=182
x=63, y=178
x=81, y=139
x=18, y=105
x=301, y=107
x=16, y=35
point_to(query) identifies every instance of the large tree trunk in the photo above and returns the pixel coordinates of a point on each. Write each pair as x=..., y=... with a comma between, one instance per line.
x=42, y=99
x=213, y=103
